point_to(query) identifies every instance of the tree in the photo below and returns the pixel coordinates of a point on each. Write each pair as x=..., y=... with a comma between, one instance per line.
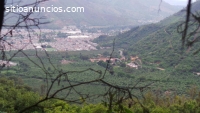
x=106, y=53
x=61, y=35
x=15, y=97
x=122, y=64
x=2, y=3
x=102, y=63
x=190, y=36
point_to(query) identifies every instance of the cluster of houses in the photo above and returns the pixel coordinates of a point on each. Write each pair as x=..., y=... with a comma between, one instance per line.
x=113, y=61
x=75, y=40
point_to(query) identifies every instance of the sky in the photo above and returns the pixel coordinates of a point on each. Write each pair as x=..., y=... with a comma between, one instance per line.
x=178, y=2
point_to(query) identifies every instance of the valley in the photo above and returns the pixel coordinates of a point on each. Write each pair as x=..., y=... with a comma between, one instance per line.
x=117, y=57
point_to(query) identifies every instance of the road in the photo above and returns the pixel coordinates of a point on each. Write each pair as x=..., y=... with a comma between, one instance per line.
x=121, y=53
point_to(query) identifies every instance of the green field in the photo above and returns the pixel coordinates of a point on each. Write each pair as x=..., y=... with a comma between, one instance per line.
x=50, y=49
x=34, y=70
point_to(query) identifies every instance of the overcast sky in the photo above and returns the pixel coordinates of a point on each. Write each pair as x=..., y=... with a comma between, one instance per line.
x=178, y=2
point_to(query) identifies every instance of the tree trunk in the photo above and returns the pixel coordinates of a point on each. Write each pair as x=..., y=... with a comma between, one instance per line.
x=2, y=8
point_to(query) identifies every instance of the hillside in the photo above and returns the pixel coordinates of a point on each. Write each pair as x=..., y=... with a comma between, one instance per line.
x=158, y=44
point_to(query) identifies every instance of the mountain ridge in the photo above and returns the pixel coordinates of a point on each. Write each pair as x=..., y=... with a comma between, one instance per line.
x=114, y=12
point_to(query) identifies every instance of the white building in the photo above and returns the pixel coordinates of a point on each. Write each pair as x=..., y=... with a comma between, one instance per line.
x=132, y=65
x=7, y=63
x=78, y=36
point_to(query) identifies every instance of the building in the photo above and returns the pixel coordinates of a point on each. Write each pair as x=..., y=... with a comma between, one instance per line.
x=78, y=36
x=134, y=58
x=7, y=63
x=132, y=65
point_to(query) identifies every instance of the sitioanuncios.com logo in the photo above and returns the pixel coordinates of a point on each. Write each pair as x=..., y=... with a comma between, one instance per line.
x=51, y=9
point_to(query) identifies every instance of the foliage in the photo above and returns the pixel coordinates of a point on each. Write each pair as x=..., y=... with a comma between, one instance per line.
x=14, y=98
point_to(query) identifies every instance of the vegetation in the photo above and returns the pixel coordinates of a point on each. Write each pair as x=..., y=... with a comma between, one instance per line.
x=15, y=96
x=158, y=45
x=118, y=74
x=52, y=82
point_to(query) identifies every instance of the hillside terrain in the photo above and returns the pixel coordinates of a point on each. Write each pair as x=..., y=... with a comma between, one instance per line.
x=147, y=71
x=158, y=44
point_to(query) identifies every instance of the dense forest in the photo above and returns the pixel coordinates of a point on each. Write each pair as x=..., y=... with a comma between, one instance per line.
x=15, y=96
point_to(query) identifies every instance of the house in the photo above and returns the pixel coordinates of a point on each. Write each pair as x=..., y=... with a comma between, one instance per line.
x=7, y=63
x=132, y=65
x=123, y=58
x=134, y=58
x=78, y=36
x=65, y=62
x=105, y=59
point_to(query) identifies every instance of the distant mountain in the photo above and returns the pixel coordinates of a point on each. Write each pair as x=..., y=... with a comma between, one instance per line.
x=158, y=43
x=110, y=12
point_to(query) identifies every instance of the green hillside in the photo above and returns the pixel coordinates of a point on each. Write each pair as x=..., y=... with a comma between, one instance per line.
x=158, y=44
